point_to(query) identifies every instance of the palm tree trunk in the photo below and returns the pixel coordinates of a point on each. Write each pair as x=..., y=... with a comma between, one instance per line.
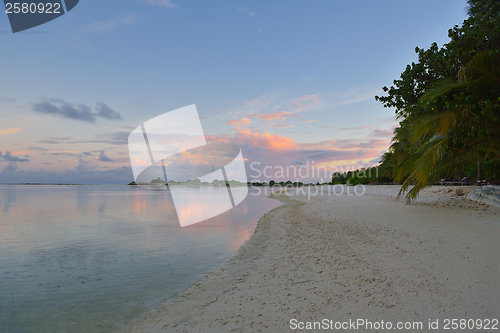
x=479, y=176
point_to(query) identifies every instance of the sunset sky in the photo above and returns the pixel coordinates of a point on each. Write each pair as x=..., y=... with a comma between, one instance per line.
x=290, y=82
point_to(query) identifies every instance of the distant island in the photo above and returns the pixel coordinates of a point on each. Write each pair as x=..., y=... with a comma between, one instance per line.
x=365, y=176
x=192, y=182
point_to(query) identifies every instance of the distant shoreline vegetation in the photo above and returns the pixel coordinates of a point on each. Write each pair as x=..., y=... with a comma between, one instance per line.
x=193, y=182
x=363, y=176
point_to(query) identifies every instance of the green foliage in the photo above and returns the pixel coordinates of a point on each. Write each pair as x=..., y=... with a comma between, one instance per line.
x=491, y=169
x=361, y=176
x=448, y=104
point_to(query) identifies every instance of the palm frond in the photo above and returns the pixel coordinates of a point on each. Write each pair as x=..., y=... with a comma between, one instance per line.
x=422, y=165
x=482, y=72
x=439, y=89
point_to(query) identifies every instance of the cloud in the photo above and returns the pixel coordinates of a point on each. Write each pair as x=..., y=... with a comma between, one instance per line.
x=372, y=144
x=283, y=147
x=56, y=140
x=346, y=128
x=272, y=106
x=310, y=121
x=280, y=115
x=246, y=11
x=9, y=131
x=104, y=111
x=11, y=158
x=64, y=153
x=8, y=99
x=283, y=152
x=266, y=140
x=108, y=26
x=303, y=103
x=12, y=167
x=86, y=172
x=103, y=158
x=239, y=122
x=382, y=133
x=37, y=148
x=114, y=138
x=265, y=148
x=66, y=110
x=342, y=98
x=271, y=102
x=82, y=112
x=159, y=3
x=347, y=144
x=352, y=128
x=378, y=159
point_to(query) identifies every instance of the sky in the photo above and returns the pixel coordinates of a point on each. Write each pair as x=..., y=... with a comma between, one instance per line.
x=291, y=82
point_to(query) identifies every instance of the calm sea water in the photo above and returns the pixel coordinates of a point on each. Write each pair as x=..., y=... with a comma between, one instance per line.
x=93, y=258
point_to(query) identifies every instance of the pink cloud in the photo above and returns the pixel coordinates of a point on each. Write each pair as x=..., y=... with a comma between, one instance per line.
x=9, y=131
x=306, y=102
x=276, y=150
x=280, y=115
x=239, y=122
x=266, y=140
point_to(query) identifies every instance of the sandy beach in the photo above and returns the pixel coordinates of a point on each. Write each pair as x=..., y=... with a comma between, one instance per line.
x=344, y=258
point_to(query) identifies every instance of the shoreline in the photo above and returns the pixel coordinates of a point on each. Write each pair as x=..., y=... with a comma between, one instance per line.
x=247, y=249
x=345, y=258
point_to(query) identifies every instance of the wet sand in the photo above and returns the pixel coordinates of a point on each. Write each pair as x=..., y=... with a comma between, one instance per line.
x=353, y=257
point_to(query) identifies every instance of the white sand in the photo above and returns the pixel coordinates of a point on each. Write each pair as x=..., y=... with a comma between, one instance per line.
x=350, y=257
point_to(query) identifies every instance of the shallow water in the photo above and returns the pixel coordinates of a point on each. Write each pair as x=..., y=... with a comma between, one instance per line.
x=93, y=258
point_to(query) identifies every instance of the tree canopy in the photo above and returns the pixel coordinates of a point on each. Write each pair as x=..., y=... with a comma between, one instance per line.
x=448, y=104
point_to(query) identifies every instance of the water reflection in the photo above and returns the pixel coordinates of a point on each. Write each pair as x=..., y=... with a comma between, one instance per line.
x=7, y=198
x=90, y=258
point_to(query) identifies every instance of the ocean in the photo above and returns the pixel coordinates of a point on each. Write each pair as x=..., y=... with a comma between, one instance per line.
x=92, y=258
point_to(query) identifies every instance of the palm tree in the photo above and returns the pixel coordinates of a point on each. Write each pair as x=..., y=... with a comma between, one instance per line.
x=461, y=122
